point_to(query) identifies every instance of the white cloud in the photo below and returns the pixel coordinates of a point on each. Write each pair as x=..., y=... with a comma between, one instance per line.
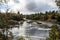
x=17, y=6
x=49, y=2
x=21, y=6
x=3, y=11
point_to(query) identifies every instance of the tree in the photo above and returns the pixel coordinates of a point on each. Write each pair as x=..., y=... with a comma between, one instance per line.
x=49, y=17
x=54, y=33
x=21, y=38
x=4, y=1
x=58, y=3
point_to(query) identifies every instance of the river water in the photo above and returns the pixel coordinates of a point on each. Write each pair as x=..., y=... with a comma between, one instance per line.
x=30, y=31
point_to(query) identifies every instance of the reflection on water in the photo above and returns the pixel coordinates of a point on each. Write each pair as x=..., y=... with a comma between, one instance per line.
x=33, y=32
x=30, y=31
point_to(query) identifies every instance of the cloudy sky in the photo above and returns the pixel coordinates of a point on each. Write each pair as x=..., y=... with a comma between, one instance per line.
x=29, y=6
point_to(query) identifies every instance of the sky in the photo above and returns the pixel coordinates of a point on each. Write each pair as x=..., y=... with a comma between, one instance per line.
x=29, y=6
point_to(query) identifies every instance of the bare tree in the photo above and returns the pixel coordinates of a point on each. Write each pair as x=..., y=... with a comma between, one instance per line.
x=4, y=1
x=58, y=4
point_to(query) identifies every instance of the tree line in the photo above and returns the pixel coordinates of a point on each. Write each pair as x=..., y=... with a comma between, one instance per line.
x=47, y=16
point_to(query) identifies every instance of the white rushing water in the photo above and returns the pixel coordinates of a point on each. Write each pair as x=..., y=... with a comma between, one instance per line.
x=30, y=31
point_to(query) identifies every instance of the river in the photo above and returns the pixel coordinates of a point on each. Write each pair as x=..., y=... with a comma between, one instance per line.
x=30, y=31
